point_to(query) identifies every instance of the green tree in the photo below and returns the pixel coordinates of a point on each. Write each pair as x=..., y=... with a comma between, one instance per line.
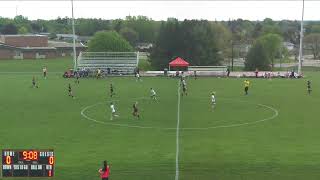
x=145, y=27
x=272, y=43
x=315, y=29
x=167, y=44
x=199, y=42
x=108, y=41
x=130, y=35
x=9, y=29
x=312, y=41
x=257, y=58
x=22, y=30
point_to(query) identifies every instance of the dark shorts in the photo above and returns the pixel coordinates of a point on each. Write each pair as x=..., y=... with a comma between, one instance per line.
x=246, y=88
x=44, y=74
x=105, y=178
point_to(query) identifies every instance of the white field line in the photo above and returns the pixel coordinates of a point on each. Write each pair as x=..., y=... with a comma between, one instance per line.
x=177, y=134
x=275, y=114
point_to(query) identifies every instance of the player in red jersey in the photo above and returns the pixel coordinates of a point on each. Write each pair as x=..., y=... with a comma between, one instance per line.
x=105, y=171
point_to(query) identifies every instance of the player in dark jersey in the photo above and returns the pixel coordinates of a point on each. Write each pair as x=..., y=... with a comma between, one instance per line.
x=111, y=90
x=184, y=88
x=309, y=87
x=34, y=83
x=70, y=91
x=135, y=110
x=77, y=76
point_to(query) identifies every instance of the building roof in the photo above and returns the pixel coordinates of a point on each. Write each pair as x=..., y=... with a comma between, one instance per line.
x=23, y=35
x=66, y=35
x=2, y=45
x=61, y=44
x=37, y=48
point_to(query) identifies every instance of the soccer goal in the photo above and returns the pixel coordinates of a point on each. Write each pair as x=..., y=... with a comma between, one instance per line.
x=208, y=70
x=109, y=62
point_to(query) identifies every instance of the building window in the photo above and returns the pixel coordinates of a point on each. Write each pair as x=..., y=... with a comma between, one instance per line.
x=18, y=55
x=40, y=55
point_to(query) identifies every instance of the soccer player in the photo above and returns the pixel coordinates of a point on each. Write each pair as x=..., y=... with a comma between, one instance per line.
x=98, y=73
x=184, y=88
x=153, y=94
x=113, y=111
x=246, y=86
x=111, y=90
x=195, y=74
x=34, y=84
x=45, y=70
x=136, y=110
x=309, y=87
x=70, y=91
x=182, y=76
x=77, y=76
x=138, y=78
x=105, y=171
x=213, y=100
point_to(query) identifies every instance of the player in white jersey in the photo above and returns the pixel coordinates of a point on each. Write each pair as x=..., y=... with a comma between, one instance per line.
x=113, y=111
x=45, y=70
x=213, y=100
x=138, y=77
x=153, y=94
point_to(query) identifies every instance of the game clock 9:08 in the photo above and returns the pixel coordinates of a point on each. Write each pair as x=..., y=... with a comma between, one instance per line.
x=29, y=155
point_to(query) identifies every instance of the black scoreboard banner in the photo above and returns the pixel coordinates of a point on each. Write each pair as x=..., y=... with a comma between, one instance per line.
x=28, y=163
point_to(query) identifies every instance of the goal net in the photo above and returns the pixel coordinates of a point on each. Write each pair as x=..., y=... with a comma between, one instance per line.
x=109, y=62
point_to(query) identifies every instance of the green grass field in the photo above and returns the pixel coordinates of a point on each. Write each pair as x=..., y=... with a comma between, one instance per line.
x=271, y=134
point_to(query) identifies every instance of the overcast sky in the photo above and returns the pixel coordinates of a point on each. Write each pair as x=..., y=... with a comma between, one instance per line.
x=161, y=10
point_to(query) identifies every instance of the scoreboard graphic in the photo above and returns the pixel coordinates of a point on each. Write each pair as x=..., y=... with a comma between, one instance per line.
x=28, y=163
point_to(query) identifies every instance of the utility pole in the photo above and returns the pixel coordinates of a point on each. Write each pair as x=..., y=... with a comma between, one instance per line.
x=74, y=41
x=301, y=43
x=17, y=2
x=232, y=43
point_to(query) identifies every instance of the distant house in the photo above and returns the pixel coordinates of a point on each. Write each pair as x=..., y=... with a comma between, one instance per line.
x=66, y=37
x=288, y=45
x=34, y=47
x=84, y=39
x=143, y=47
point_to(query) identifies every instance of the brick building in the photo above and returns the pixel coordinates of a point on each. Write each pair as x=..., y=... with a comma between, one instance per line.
x=34, y=47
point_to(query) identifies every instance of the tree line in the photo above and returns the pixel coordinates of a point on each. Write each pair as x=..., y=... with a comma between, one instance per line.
x=201, y=42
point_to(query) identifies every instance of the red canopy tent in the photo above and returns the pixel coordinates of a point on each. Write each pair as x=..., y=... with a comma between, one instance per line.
x=178, y=62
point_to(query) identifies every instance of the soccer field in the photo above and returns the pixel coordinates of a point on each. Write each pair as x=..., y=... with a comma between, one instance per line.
x=273, y=133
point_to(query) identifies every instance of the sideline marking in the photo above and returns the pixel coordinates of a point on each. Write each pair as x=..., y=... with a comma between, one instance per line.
x=177, y=134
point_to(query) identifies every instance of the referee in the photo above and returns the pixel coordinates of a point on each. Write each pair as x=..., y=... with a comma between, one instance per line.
x=246, y=86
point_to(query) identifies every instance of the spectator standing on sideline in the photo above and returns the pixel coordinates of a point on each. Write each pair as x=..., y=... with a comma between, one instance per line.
x=228, y=72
